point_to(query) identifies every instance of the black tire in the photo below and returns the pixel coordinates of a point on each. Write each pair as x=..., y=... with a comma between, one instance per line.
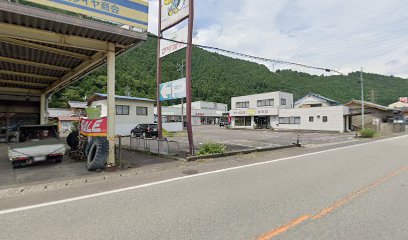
x=58, y=160
x=73, y=141
x=88, y=146
x=16, y=164
x=98, y=154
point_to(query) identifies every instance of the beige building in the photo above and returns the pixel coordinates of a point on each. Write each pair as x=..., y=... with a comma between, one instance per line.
x=374, y=114
x=130, y=111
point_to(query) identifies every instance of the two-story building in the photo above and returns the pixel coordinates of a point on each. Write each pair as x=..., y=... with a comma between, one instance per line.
x=276, y=110
x=130, y=111
x=259, y=110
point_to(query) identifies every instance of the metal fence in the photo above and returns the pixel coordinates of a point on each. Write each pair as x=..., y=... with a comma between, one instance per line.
x=157, y=146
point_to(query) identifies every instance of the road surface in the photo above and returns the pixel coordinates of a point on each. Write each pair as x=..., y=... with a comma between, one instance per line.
x=356, y=192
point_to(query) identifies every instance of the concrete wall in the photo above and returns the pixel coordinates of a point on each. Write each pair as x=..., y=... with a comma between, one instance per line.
x=335, y=118
x=390, y=127
x=125, y=123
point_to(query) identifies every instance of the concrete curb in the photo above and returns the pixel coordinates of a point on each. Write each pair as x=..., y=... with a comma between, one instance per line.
x=59, y=184
x=237, y=152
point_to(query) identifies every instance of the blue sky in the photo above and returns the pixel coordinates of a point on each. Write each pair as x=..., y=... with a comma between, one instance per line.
x=339, y=34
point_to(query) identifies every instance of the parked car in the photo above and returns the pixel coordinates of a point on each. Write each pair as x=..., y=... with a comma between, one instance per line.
x=146, y=130
x=36, y=143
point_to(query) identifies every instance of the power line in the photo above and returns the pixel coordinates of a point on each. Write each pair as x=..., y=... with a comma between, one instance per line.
x=252, y=56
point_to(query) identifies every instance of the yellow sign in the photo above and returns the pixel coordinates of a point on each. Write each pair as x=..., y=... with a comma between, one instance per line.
x=127, y=12
x=251, y=112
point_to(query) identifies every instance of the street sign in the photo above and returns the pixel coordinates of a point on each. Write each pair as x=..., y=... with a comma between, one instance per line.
x=129, y=12
x=167, y=47
x=173, y=90
x=173, y=12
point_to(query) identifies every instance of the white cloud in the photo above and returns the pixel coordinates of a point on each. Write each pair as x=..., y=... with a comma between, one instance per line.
x=341, y=34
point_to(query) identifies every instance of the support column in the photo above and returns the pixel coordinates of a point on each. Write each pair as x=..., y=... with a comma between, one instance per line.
x=158, y=80
x=111, y=103
x=43, y=102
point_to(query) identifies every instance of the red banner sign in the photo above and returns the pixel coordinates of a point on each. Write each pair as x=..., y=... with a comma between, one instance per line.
x=94, y=127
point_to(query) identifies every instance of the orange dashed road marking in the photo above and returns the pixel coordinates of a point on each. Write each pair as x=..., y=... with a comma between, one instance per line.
x=331, y=208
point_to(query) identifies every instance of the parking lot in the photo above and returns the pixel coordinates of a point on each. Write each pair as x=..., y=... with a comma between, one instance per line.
x=71, y=168
x=257, y=138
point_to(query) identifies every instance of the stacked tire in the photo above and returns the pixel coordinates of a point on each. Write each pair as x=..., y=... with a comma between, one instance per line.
x=73, y=141
x=97, y=151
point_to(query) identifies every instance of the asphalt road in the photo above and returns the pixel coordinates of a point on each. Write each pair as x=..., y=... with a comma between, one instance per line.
x=357, y=192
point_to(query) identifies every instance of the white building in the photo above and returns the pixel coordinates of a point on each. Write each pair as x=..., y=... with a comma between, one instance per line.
x=130, y=111
x=259, y=110
x=276, y=110
x=203, y=113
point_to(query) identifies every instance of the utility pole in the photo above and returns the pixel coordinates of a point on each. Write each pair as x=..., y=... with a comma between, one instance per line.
x=362, y=98
x=189, y=53
x=180, y=67
x=159, y=78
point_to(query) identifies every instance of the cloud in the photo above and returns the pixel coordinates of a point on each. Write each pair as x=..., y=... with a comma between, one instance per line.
x=340, y=34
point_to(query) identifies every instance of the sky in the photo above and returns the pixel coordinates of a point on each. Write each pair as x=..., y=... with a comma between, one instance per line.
x=338, y=34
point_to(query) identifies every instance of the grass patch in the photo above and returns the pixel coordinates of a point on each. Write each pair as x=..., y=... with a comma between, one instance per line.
x=167, y=134
x=211, y=148
x=367, y=133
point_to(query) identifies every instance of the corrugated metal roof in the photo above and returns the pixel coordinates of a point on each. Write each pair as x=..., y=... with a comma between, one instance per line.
x=14, y=73
x=371, y=105
x=58, y=112
x=74, y=104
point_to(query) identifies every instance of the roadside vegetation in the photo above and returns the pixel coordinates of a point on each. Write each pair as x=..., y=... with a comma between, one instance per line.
x=367, y=133
x=211, y=148
x=167, y=133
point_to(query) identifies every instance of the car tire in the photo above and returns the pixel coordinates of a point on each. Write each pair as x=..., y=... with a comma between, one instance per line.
x=88, y=146
x=16, y=164
x=98, y=154
x=73, y=141
x=58, y=160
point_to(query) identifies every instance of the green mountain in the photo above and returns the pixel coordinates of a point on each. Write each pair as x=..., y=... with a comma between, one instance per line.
x=217, y=78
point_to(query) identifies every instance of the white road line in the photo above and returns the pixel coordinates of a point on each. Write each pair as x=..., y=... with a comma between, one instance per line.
x=14, y=210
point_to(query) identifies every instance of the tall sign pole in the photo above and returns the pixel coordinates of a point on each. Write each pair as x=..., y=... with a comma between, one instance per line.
x=159, y=78
x=189, y=95
x=362, y=99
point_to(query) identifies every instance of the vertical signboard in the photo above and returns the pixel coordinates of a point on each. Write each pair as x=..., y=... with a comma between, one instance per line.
x=180, y=37
x=173, y=90
x=173, y=12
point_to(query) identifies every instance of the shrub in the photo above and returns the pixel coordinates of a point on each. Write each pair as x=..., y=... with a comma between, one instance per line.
x=211, y=148
x=166, y=133
x=367, y=133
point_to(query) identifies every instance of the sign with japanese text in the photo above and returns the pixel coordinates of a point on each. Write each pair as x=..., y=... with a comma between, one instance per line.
x=128, y=12
x=173, y=90
x=173, y=12
x=167, y=47
x=255, y=112
x=94, y=127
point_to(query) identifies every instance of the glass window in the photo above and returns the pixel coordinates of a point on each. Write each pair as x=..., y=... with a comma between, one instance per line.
x=266, y=103
x=325, y=119
x=122, y=110
x=283, y=102
x=242, y=104
x=289, y=120
x=247, y=121
x=311, y=119
x=243, y=121
x=141, y=111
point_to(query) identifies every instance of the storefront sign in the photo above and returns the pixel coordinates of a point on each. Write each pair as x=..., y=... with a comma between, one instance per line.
x=255, y=112
x=94, y=127
x=173, y=12
x=168, y=47
x=128, y=12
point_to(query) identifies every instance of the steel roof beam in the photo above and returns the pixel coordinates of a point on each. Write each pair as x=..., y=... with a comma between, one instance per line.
x=76, y=72
x=26, y=33
x=23, y=83
x=30, y=75
x=27, y=91
x=35, y=64
x=43, y=48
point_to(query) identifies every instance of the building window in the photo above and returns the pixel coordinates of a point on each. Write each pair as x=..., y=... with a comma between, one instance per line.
x=311, y=119
x=243, y=121
x=266, y=103
x=289, y=120
x=242, y=105
x=141, y=111
x=324, y=118
x=122, y=110
x=283, y=102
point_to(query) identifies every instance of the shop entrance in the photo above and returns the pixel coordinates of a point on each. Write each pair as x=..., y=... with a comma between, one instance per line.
x=262, y=122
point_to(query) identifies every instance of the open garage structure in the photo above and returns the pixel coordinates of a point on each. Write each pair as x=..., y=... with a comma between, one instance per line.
x=42, y=52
